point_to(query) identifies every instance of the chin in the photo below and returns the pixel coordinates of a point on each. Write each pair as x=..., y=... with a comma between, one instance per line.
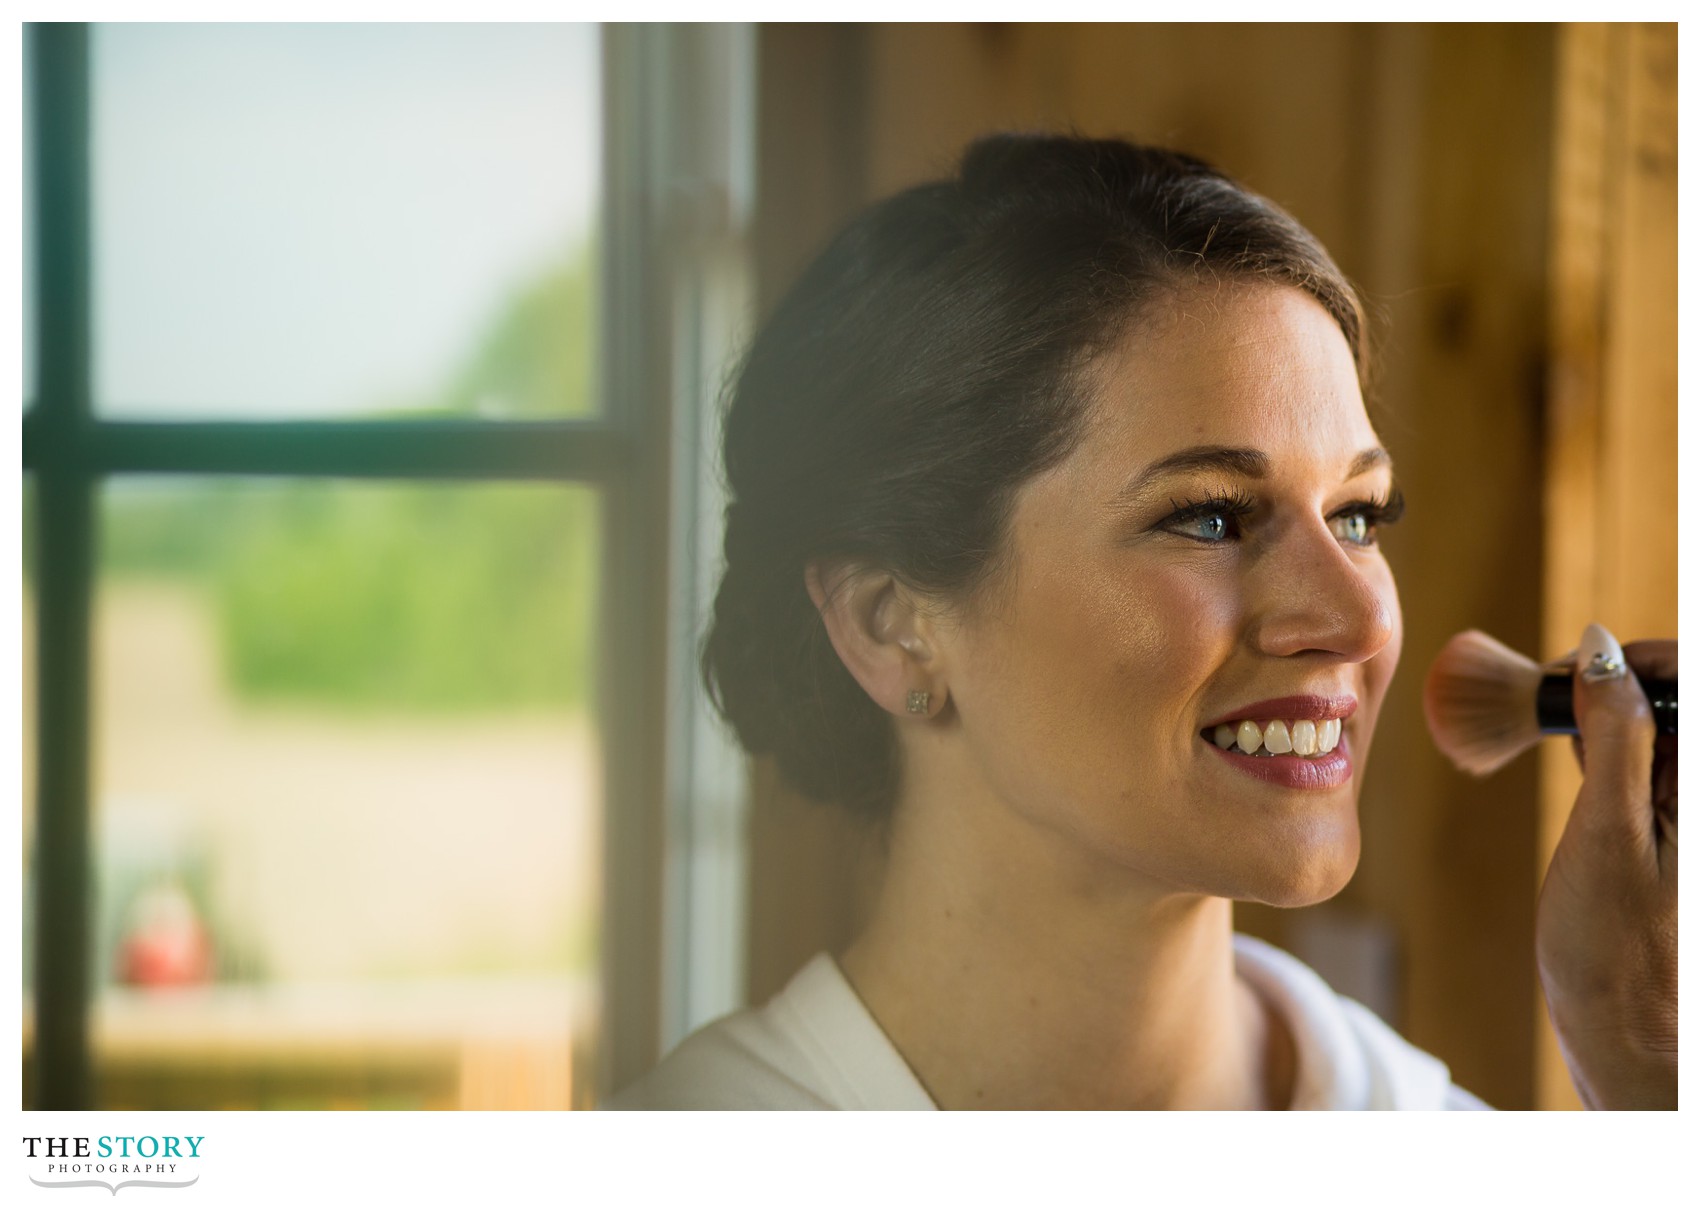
x=1310, y=872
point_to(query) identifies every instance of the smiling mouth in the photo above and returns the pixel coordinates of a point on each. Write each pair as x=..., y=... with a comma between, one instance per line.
x=1276, y=738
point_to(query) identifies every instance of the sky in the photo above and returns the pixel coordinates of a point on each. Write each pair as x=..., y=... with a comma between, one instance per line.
x=318, y=220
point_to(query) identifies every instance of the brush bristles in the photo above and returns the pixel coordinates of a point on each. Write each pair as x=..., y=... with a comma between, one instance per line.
x=1480, y=702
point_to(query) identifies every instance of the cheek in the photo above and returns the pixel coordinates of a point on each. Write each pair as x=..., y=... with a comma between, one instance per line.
x=1180, y=626
x=1090, y=647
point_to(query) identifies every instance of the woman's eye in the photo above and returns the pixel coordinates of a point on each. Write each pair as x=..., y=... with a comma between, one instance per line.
x=1211, y=527
x=1355, y=527
x=1214, y=520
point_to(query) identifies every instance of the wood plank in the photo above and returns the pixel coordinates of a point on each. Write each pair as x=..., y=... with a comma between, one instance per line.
x=1611, y=478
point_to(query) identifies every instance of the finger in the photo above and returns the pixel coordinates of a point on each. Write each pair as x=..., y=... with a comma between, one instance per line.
x=1664, y=786
x=1616, y=725
x=1652, y=658
x=1664, y=771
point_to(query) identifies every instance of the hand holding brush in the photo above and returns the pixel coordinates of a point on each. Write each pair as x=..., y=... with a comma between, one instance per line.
x=1606, y=922
x=1487, y=703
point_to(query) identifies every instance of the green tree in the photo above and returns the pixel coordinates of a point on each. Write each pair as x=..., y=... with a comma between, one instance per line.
x=407, y=596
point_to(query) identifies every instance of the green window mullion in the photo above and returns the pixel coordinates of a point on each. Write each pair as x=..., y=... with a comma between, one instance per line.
x=65, y=543
x=425, y=449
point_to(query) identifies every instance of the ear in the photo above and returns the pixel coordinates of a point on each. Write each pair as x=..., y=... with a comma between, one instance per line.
x=884, y=636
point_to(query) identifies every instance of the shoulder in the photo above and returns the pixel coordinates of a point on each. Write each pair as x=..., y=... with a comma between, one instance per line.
x=737, y=1063
x=1348, y=1058
x=814, y=1047
x=1404, y=1077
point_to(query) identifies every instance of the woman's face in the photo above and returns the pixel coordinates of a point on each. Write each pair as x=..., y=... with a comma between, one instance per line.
x=1208, y=549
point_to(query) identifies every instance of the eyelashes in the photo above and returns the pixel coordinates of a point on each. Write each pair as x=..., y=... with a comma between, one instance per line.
x=1219, y=518
x=1384, y=510
x=1376, y=512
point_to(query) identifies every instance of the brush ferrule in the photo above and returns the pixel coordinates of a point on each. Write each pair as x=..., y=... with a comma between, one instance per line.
x=1555, y=708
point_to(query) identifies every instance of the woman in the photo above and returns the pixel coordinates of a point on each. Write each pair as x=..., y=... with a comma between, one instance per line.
x=1053, y=548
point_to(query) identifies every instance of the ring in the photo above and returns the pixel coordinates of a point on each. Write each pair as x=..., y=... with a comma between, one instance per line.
x=1602, y=667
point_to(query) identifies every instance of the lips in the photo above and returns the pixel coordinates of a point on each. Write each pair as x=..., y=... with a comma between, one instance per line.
x=1293, y=707
x=1298, y=772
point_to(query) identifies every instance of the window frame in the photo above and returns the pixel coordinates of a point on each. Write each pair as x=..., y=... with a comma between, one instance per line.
x=626, y=452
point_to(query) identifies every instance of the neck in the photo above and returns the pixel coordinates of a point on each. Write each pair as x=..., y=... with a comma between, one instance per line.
x=1089, y=989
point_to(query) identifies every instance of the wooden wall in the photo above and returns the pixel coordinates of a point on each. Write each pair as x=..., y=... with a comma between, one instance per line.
x=1610, y=457
x=1425, y=158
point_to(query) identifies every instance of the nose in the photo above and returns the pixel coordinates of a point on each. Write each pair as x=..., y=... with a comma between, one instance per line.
x=1318, y=596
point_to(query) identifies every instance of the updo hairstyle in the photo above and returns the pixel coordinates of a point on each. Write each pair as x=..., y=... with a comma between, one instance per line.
x=926, y=364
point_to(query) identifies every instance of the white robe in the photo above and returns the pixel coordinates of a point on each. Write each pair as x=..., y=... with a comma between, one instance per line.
x=815, y=1047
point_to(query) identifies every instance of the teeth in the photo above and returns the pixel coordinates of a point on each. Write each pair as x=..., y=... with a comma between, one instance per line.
x=1307, y=738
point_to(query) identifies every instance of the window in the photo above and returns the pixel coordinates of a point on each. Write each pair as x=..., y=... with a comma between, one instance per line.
x=368, y=537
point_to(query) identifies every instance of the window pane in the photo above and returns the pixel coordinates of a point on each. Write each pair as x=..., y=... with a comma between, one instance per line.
x=347, y=795
x=341, y=220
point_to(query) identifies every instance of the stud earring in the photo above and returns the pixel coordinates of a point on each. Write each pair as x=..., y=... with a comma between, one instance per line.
x=918, y=700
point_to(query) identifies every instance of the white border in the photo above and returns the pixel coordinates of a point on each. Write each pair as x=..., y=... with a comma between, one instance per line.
x=878, y=1160
x=335, y=1160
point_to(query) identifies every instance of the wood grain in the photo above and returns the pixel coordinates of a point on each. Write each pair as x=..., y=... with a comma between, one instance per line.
x=1611, y=468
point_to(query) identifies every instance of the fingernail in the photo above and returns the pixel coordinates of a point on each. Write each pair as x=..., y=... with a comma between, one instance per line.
x=1600, y=655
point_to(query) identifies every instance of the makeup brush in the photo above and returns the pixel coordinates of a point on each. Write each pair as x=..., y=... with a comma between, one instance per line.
x=1487, y=703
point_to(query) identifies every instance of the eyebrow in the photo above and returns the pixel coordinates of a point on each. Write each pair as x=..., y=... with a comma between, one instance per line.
x=1244, y=461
